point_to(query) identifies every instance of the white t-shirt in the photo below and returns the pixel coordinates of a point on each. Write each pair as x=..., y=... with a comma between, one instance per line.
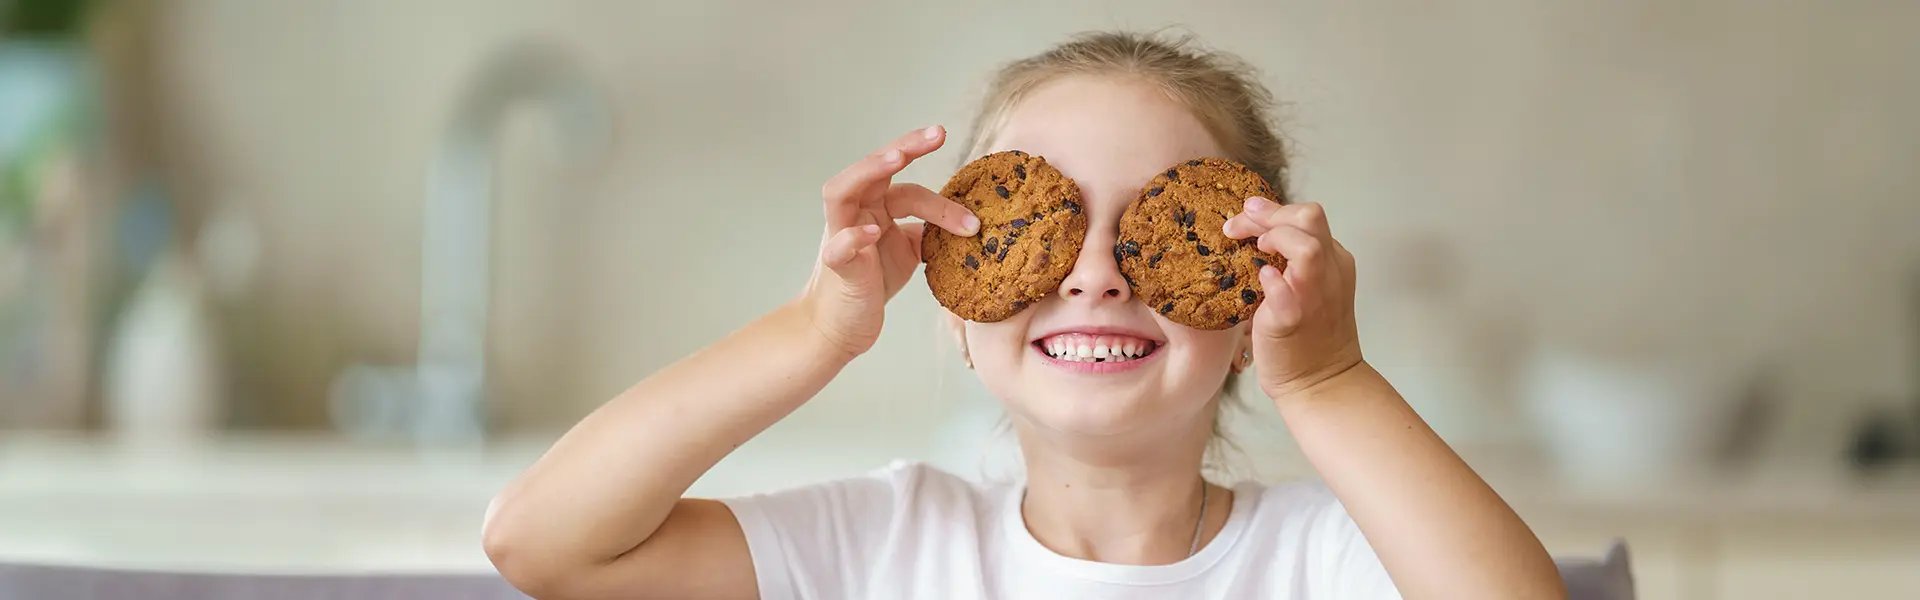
x=913, y=531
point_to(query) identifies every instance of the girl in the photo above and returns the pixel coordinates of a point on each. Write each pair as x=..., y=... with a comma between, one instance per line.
x=1114, y=504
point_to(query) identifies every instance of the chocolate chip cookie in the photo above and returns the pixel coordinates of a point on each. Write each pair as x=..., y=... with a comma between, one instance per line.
x=1171, y=248
x=1032, y=224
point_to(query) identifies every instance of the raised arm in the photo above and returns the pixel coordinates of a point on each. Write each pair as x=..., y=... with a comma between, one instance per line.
x=601, y=514
x=1439, y=530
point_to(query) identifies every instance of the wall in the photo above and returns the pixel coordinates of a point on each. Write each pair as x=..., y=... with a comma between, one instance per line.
x=1729, y=180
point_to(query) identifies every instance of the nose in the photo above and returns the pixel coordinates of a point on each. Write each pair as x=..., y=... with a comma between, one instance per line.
x=1096, y=275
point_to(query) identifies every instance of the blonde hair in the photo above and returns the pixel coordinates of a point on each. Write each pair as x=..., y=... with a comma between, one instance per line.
x=1221, y=90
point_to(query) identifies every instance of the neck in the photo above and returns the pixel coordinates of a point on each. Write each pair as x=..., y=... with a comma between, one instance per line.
x=1132, y=507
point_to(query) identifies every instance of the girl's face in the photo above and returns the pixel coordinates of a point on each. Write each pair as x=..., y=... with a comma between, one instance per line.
x=1110, y=136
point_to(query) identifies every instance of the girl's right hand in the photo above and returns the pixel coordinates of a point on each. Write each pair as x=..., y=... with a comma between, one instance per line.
x=865, y=257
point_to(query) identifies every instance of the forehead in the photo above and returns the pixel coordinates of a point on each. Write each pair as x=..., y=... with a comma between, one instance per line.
x=1109, y=135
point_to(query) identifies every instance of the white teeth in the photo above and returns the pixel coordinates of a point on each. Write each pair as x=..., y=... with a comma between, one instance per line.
x=1081, y=348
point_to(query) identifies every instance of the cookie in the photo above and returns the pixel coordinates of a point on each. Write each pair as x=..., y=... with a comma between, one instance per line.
x=1173, y=253
x=1032, y=224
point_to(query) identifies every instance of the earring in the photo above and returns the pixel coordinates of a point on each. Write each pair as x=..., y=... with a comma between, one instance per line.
x=1246, y=358
x=967, y=359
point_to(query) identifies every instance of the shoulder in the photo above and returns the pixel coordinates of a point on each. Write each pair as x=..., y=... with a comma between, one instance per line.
x=1305, y=520
x=898, y=489
x=1305, y=511
x=1304, y=497
x=827, y=539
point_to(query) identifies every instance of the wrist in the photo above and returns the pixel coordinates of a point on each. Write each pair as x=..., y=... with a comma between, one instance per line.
x=803, y=330
x=1332, y=384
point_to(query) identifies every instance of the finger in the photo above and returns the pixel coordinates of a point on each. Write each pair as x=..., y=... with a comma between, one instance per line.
x=1252, y=219
x=873, y=170
x=910, y=200
x=846, y=243
x=913, y=231
x=1308, y=216
x=1304, y=252
x=1281, y=311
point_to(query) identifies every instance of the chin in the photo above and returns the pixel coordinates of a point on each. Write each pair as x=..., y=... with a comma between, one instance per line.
x=1091, y=415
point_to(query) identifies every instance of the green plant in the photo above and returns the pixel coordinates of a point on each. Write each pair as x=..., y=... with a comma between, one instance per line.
x=42, y=17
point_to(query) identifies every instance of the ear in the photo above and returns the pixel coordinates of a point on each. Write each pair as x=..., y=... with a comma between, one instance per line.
x=1243, y=351
x=958, y=329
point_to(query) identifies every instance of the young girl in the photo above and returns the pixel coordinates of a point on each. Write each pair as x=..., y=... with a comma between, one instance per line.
x=1114, y=504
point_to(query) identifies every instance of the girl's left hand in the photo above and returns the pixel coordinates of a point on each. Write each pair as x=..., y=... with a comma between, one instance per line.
x=1304, y=332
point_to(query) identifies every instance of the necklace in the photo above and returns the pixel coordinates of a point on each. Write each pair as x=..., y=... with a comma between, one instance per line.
x=1200, y=523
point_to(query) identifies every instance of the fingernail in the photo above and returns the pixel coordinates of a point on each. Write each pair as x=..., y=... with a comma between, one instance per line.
x=870, y=228
x=971, y=224
x=1226, y=228
x=1269, y=271
x=933, y=132
x=1256, y=204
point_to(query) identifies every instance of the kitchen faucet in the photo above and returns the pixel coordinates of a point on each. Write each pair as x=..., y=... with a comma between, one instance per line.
x=443, y=397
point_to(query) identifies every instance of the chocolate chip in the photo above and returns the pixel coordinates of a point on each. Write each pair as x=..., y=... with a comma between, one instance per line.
x=1233, y=319
x=1019, y=305
x=1227, y=282
x=1131, y=247
x=1001, y=190
x=1193, y=237
x=1166, y=308
x=1155, y=191
x=1019, y=154
x=1154, y=261
x=1173, y=175
x=1193, y=163
x=1002, y=257
x=1018, y=223
x=1248, y=297
x=972, y=263
x=1047, y=245
x=993, y=245
x=1020, y=171
x=1072, y=206
x=1202, y=249
x=1259, y=262
x=1183, y=217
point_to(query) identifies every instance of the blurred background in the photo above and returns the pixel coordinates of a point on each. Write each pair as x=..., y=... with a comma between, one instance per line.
x=334, y=271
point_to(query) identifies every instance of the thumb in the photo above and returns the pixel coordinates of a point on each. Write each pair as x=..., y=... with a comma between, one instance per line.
x=1280, y=313
x=841, y=249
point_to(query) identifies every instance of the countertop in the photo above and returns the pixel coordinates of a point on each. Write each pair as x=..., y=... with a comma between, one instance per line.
x=318, y=503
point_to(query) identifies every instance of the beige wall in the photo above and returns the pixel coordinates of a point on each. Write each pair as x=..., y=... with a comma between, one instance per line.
x=1720, y=178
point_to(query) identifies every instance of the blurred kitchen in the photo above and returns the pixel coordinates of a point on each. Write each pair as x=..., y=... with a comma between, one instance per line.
x=296, y=286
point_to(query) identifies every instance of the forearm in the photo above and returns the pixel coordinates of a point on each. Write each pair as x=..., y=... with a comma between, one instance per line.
x=610, y=482
x=1439, y=530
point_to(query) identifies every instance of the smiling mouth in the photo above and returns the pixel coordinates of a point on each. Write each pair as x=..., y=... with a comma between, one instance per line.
x=1080, y=347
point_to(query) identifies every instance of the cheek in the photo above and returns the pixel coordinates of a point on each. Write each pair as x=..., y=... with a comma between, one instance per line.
x=996, y=352
x=1204, y=356
x=996, y=345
